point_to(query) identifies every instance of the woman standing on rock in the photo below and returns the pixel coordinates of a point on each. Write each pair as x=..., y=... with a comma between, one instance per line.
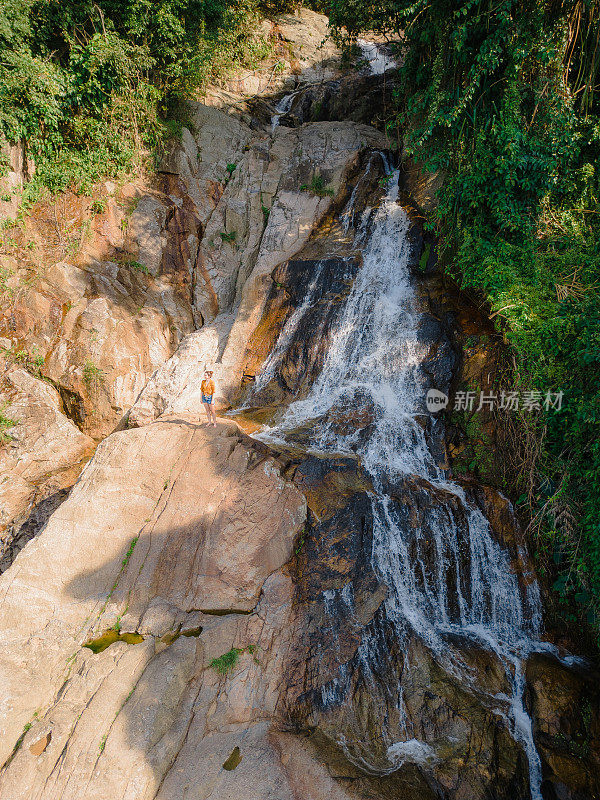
x=207, y=387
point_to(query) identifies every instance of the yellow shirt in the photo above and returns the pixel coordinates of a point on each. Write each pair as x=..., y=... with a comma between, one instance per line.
x=207, y=387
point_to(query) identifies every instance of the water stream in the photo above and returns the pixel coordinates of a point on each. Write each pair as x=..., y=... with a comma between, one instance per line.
x=377, y=59
x=377, y=62
x=282, y=107
x=375, y=358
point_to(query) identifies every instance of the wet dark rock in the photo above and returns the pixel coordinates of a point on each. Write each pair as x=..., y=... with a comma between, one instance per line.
x=34, y=524
x=306, y=348
x=370, y=691
x=565, y=707
x=354, y=415
x=331, y=556
x=359, y=689
x=440, y=361
x=330, y=483
x=359, y=98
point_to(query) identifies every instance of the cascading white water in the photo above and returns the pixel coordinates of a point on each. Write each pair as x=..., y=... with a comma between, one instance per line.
x=378, y=61
x=375, y=357
x=283, y=106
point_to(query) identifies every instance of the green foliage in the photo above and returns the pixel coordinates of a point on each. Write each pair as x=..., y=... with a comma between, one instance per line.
x=32, y=361
x=129, y=552
x=88, y=86
x=228, y=237
x=136, y=265
x=317, y=186
x=502, y=99
x=425, y=257
x=476, y=459
x=223, y=664
x=92, y=375
x=124, y=563
x=282, y=6
x=231, y=169
x=98, y=206
x=6, y=423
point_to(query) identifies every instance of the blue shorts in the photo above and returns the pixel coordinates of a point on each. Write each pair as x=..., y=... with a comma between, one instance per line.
x=207, y=398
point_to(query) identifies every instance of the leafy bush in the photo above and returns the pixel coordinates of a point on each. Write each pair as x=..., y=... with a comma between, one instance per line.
x=88, y=86
x=317, y=186
x=223, y=664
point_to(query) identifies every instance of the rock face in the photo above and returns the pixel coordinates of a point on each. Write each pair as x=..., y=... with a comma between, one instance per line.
x=40, y=460
x=565, y=707
x=246, y=236
x=99, y=327
x=302, y=54
x=348, y=664
x=186, y=543
x=18, y=169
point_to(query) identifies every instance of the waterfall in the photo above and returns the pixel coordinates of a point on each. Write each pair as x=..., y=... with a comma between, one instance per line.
x=283, y=106
x=375, y=360
x=377, y=60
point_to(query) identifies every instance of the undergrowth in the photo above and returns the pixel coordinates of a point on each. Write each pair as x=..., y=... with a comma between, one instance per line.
x=317, y=186
x=91, y=87
x=93, y=376
x=6, y=423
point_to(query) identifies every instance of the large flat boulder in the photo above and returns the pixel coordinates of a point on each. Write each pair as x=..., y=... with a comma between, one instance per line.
x=174, y=538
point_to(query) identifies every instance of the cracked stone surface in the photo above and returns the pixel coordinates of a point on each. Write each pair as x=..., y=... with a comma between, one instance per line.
x=271, y=218
x=44, y=455
x=213, y=523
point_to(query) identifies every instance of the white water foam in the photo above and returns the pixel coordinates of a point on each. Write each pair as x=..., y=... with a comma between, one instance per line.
x=378, y=60
x=413, y=750
x=375, y=354
x=283, y=106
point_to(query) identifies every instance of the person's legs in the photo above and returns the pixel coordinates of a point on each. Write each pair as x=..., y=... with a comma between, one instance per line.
x=207, y=408
x=214, y=416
